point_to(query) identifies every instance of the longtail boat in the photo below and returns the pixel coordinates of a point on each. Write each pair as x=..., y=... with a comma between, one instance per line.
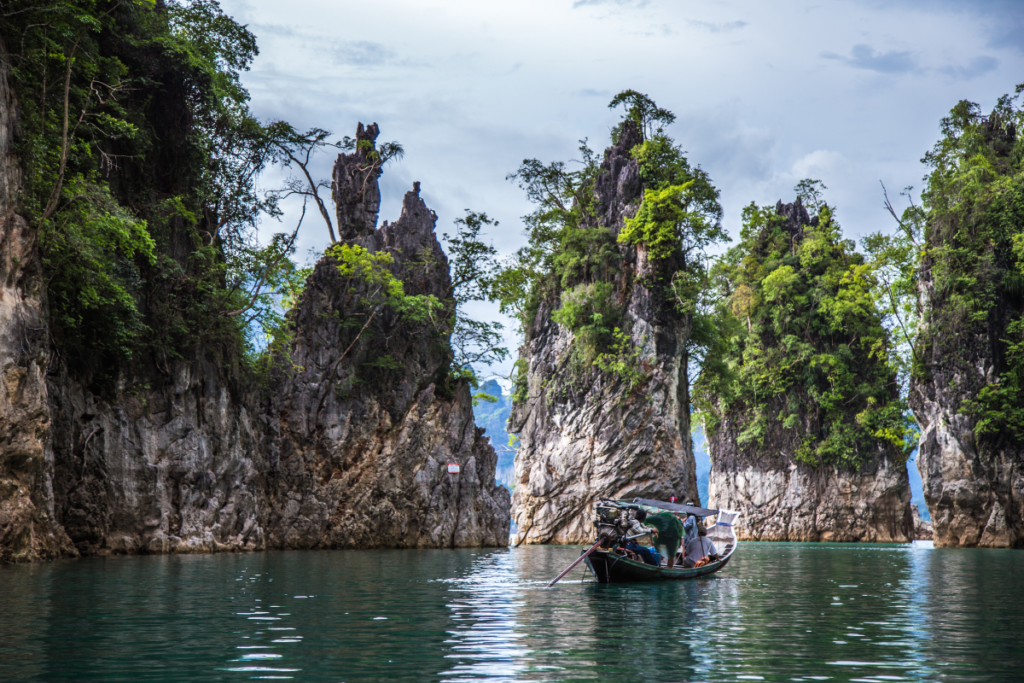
x=610, y=563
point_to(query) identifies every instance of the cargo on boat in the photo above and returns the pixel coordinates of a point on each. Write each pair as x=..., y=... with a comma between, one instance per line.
x=690, y=549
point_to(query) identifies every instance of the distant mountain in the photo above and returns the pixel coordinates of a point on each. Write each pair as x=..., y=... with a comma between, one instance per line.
x=700, y=456
x=917, y=488
x=493, y=417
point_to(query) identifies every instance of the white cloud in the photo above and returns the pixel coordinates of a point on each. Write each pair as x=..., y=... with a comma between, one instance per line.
x=621, y=3
x=818, y=163
x=718, y=27
x=361, y=53
x=976, y=67
x=472, y=88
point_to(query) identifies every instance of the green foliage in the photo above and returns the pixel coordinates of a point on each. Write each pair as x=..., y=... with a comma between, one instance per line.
x=510, y=285
x=625, y=361
x=140, y=163
x=812, y=193
x=680, y=214
x=803, y=346
x=564, y=245
x=895, y=261
x=482, y=397
x=974, y=202
x=998, y=407
x=263, y=285
x=520, y=381
x=642, y=110
x=370, y=280
x=472, y=265
x=664, y=222
x=94, y=253
x=573, y=260
x=591, y=313
x=654, y=225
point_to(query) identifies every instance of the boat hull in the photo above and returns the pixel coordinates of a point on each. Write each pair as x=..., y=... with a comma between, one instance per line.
x=607, y=567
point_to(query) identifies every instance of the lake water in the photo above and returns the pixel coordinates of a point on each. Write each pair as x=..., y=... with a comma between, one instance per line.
x=778, y=612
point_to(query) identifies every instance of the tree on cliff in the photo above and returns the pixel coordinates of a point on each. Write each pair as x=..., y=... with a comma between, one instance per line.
x=474, y=342
x=803, y=346
x=141, y=159
x=973, y=257
x=573, y=257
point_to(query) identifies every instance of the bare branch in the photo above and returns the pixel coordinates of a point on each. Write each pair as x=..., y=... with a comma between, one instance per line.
x=903, y=226
x=899, y=320
x=314, y=186
x=51, y=205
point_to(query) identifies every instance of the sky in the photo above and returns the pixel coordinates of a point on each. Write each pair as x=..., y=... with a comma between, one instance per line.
x=850, y=92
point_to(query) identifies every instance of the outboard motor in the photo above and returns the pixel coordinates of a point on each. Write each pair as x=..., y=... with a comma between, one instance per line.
x=613, y=522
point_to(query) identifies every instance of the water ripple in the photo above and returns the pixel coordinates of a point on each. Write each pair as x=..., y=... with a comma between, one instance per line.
x=779, y=612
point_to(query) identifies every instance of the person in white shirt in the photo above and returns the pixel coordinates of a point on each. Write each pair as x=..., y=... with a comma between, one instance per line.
x=699, y=547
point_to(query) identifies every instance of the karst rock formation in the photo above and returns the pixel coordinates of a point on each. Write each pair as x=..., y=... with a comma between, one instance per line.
x=28, y=522
x=360, y=459
x=973, y=484
x=781, y=499
x=192, y=456
x=583, y=439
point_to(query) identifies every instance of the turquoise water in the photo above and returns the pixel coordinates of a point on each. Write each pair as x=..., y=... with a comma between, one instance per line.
x=778, y=612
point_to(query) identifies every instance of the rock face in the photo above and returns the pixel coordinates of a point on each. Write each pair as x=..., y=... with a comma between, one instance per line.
x=175, y=468
x=361, y=454
x=592, y=438
x=188, y=458
x=28, y=528
x=782, y=500
x=975, y=494
x=974, y=486
x=355, y=188
x=922, y=529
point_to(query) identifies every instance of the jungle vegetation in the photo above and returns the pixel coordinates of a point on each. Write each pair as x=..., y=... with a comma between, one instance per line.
x=142, y=162
x=797, y=330
x=804, y=347
x=572, y=259
x=973, y=249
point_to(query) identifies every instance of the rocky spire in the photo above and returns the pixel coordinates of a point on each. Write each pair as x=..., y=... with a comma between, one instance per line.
x=355, y=188
x=366, y=425
x=592, y=436
x=782, y=498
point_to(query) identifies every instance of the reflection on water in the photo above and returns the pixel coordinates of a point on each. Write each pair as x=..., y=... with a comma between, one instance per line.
x=778, y=612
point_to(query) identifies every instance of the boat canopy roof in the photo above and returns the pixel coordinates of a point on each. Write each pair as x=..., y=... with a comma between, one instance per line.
x=676, y=507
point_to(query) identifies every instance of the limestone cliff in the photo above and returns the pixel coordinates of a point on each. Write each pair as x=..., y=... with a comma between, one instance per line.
x=587, y=434
x=784, y=500
x=164, y=464
x=971, y=294
x=360, y=448
x=974, y=490
x=846, y=484
x=342, y=449
x=28, y=529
